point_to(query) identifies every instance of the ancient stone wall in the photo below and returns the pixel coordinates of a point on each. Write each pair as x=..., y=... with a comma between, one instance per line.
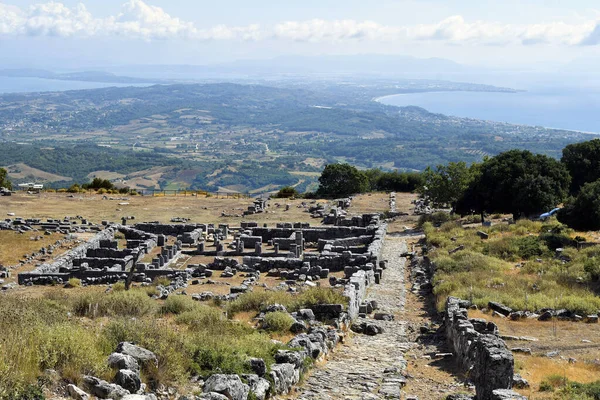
x=484, y=356
x=313, y=234
x=66, y=259
x=167, y=229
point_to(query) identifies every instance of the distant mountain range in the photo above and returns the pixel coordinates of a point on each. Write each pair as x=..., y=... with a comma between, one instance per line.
x=84, y=76
x=367, y=64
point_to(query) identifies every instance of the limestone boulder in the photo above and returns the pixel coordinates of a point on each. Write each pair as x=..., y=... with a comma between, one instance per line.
x=129, y=380
x=231, y=386
x=103, y=389
x=284, y=377
x=77, y=393
x=259, y=386
x=123, y=361
x=140, y=354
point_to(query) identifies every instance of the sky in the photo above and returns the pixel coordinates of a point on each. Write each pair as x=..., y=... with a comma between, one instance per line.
x=506, y=33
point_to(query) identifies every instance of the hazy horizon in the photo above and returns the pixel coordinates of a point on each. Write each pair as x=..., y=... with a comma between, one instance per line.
x=489, y=33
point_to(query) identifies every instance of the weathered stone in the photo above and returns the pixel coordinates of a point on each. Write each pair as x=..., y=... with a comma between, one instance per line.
x=506, y=394
x=77, y=393
x=128, y=380
x=140, y=354
x=123, y=361
x=383, y=317
x=519, y=382
x=295, y=358
x=103, y=389
x=212, y=396
x=258, y=366
x=306, y=314
x=259, y=386
x=298, y=327
x=230, y=386
x=546, y=316
x=139, y=397
x=500, y=308
x=523, y=350
x=284, y=377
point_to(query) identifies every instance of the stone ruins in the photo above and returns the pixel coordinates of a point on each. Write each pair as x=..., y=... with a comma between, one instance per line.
x=345, y=252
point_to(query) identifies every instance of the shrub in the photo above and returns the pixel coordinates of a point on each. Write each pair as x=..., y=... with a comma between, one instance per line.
x=552, y=382
x=118, y=286
x=131, y=303
x=161, y=280
x=278, y=321
x=286, y=192
x=592, y=267
x=557, y=240
x=74, y=282
x=436, y=219
x=177, y=305
x=529, y=247
x=74, y=188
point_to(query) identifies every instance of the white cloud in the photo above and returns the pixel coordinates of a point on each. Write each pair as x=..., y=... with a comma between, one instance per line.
x=139, y=20
x=456, y=30
x=317, y=30
x=593, y=38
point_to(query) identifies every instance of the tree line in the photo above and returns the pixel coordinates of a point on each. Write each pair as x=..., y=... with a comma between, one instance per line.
x=518, y=182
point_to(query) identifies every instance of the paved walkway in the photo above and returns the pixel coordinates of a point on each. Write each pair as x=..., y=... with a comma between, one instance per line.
x=369, y=367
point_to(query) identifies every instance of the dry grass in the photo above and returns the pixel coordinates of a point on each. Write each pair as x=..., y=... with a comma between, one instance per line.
x=24, y=171
x=564, y=336
x=148, y=208
x=14, y=245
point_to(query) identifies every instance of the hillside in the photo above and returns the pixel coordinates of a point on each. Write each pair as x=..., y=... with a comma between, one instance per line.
x=264, y=133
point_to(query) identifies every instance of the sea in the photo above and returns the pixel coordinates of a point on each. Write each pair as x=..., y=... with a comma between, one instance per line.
x=23, y=85
x=562, y=108
x=569, y=109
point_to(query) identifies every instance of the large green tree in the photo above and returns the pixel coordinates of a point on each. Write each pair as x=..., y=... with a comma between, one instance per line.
x=516, y=182
x=583, y=162
x=583, y=211
x=446, y=183
x=341, y=180
x=4, y=182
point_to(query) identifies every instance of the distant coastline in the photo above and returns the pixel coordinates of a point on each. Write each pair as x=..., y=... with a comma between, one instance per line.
x=552, y=110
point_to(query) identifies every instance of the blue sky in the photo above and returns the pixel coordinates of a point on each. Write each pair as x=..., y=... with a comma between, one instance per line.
x=112, y=32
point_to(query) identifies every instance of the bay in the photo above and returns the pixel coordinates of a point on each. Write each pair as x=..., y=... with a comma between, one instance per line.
x=570, y=109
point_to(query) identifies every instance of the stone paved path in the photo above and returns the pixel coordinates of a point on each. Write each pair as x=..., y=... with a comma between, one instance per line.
x=369, y=367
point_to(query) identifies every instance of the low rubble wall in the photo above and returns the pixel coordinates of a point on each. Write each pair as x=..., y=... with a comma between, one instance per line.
x=484, y=356
x=66, y=259
x=313, y=234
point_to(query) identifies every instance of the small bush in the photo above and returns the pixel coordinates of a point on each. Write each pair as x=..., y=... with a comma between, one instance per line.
x=530, y=247
x=177, y=305
x=557, y=240
x=286, y=192
x=436, y=219
x=278, y=321
x=118, y=286
x=592, y=267
x=552, y=382
x=74, y=282
x=131, y=303
x=161, y=281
